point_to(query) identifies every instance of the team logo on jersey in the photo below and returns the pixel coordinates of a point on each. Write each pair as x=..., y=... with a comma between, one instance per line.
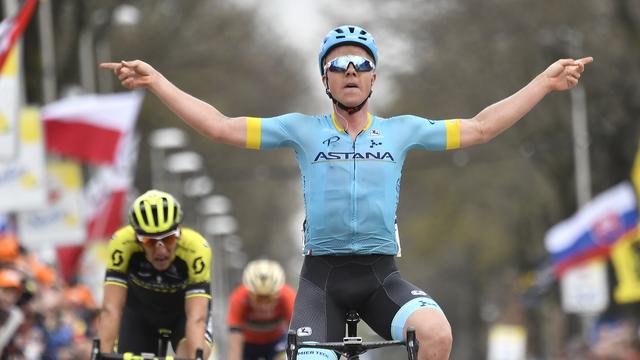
x=305, y=331
x=375, y=133
x=331, y=140
x=198, y=265
x=418, y=292
x=116, y=257
x=336, y=155
x=374, y=143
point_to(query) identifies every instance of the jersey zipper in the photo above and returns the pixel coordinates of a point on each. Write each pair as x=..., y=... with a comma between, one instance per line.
x=354, y=189
x=354, y=196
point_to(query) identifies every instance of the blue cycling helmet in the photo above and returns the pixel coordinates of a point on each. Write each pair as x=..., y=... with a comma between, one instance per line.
x=347, y=35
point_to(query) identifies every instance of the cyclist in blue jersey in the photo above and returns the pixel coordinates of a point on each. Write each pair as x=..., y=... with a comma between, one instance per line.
x=351, y=162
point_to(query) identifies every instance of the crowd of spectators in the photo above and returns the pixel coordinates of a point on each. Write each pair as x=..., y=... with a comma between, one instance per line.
x=41, y=316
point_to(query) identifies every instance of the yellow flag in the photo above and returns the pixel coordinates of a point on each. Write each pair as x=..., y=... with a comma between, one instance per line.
x=625, y=257
x=635, y=173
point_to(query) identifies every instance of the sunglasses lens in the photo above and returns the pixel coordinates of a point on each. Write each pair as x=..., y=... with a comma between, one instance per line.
x=147, y=240
x=341, y=64
x=168, y=240
x=366, y=65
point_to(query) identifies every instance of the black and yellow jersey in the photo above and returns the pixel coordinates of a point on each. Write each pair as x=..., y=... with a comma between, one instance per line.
x=188, y=275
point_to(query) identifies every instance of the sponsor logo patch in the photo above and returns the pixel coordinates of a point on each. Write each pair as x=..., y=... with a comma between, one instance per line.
x=305, y=331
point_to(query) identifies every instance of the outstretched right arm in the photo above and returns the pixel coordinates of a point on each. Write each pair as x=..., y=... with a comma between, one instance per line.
x=198, y=114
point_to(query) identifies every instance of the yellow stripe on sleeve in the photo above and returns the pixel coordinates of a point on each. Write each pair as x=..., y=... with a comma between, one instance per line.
x=253, y=133
x=116, y=283
x=198, y=295
x=453, y=133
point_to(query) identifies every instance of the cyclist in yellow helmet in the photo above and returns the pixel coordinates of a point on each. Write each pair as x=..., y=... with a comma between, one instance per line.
x=351, y=164
x=157, y=279
x=259, y=313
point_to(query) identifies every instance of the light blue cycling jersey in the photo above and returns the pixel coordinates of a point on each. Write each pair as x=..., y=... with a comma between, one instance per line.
x=351, y=187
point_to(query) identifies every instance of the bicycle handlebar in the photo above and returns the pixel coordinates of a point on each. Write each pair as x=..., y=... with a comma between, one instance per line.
x=130, y=356
x=341, y=346
x=97, y=355
x=352, y=346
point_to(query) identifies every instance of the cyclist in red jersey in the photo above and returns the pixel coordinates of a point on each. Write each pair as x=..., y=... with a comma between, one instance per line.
x=259, y=313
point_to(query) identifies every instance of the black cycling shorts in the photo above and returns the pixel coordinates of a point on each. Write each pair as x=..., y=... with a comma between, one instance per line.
x=139, y=328
x=332, y=285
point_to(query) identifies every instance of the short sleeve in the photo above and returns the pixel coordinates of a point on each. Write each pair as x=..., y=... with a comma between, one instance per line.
x=120, y=249
x=273, y=132
x=431, y=134
x=199, y=263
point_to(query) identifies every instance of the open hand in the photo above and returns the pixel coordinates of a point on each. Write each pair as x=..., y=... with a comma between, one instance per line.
x=132, y=74
x=565, y=73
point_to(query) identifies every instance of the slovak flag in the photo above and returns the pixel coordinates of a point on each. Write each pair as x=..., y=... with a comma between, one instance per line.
x=594, y=229
x=90, y=128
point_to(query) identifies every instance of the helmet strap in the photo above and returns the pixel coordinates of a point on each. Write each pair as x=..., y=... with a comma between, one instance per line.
x=349, y=109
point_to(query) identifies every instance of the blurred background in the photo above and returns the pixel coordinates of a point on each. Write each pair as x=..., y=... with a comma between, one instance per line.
x=516, y=239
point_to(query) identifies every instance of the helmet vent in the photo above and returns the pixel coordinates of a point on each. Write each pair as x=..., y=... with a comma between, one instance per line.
x=362, y=32
x=340, y=37
x=352, y=29
x=338, y=30
x=362, y=38
x=154, y=211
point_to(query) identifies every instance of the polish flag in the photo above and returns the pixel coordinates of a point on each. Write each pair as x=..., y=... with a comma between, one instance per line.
x=104, y=203
x=90, y=128
x=105, y=194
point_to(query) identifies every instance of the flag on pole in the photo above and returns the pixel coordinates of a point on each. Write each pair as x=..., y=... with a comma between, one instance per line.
x=90, y=128
x=625, y=255
x=12, y=28
x=594, y=229
x=105, y=194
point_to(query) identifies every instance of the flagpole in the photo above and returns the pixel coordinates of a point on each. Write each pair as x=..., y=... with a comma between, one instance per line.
x=47, y=46
x=87, y=60
x=11, y=8
x=580, y=130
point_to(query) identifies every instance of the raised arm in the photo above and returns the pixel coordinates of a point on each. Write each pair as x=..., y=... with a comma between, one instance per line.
x=494, y=119
x=198, y=114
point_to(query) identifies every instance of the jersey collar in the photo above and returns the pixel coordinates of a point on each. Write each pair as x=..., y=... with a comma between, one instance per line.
x=339, y=127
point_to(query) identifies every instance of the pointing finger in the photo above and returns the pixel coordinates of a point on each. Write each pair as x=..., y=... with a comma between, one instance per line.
x=110, y=65
x=585, y=60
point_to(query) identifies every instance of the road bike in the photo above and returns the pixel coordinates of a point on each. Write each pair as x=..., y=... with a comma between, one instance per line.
x=163, y=343
x=352, y=346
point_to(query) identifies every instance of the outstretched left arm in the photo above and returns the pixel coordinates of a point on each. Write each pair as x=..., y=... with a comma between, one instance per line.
x=494, y=119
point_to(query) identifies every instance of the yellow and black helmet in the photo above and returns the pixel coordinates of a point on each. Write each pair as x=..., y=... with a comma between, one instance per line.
x=263, y=277
x=155, y=213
